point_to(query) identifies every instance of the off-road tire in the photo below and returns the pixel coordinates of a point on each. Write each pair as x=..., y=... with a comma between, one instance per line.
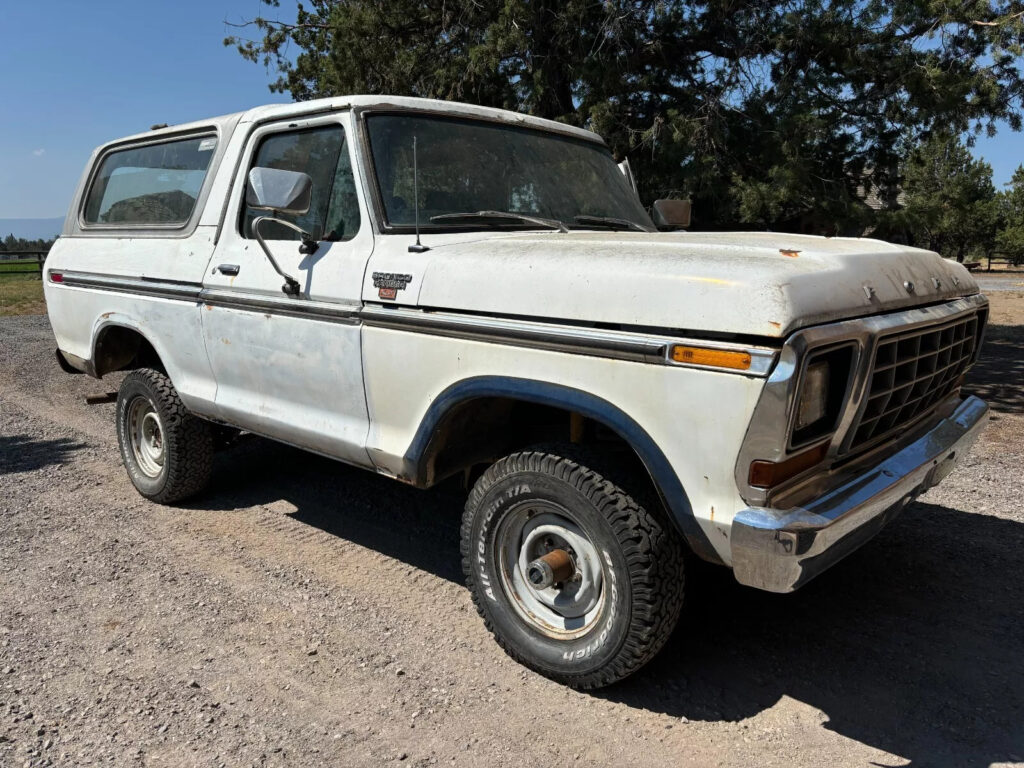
x=644, y=560
x=187, y=439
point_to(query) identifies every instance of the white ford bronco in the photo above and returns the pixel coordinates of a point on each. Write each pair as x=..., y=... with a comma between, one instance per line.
x=433, y=290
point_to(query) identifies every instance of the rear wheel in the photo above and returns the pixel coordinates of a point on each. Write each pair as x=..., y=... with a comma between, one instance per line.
x=573, y=576
x=167, y=451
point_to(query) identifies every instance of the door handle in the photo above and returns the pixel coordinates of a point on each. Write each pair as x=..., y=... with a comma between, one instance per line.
x=227, y=269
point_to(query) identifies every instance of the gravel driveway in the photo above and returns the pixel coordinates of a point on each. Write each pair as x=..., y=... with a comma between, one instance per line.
x=302, y=613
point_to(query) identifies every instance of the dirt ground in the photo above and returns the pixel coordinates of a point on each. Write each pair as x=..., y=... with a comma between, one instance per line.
x=302, y=613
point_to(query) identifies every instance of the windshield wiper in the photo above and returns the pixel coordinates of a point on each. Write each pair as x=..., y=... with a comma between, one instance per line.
x=549, y=223
x=609, y=221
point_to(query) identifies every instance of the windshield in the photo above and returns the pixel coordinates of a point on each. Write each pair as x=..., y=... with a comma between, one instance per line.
x=467, y=166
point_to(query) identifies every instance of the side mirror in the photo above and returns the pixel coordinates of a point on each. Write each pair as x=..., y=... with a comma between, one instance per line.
x=274, y=189
x=671, y=214
x=280, y=191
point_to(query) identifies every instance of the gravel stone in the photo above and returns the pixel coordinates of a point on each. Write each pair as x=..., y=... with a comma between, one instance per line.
x=108, y=602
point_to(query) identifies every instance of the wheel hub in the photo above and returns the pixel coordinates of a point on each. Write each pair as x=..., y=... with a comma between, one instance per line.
x=550, y=570
x=146, y=436
x=554, y=568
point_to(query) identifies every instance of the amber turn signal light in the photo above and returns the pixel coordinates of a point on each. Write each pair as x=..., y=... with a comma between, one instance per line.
x=768, y=474
x=718, y=358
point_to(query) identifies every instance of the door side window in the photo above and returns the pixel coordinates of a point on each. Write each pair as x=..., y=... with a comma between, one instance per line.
x=322, y=153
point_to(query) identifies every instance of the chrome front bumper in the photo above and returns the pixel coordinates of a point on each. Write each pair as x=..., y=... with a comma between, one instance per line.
x=779, y=550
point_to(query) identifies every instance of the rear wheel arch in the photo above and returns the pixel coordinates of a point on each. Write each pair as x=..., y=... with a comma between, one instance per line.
x=436, y=425
x=119, y=346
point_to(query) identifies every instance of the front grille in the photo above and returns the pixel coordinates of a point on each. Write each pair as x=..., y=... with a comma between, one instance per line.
x=912, y=373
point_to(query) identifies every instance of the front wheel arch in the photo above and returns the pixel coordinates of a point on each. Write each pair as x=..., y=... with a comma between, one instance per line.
x=663, y=477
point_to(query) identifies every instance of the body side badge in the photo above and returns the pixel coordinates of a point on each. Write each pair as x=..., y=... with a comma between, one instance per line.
x=390, y=283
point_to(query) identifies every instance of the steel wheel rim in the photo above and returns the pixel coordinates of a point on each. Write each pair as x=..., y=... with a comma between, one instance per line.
x=565, y=611
x=146, y=436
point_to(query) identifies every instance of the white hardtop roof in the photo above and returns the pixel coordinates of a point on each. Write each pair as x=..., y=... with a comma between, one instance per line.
x=298, y=109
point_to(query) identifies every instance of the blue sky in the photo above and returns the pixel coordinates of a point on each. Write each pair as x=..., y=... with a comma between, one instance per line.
x=77, y=74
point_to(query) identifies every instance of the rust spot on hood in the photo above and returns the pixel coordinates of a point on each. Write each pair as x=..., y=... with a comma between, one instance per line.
x=790, y=253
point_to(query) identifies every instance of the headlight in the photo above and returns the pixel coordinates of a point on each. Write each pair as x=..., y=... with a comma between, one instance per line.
x=824, y=388
x=813, y=395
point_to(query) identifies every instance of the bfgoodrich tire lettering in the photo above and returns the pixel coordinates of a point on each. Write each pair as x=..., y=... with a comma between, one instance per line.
x=167, y=451
x=641, y=565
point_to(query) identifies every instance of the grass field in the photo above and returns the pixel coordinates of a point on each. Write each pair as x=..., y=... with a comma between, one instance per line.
x=21, y=290
x=28, y=265
x=21, y=294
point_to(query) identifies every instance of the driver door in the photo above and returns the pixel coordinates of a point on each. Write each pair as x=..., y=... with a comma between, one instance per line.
x=290, y=367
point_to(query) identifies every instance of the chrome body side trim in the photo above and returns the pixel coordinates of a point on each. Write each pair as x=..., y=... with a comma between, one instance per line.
x=616, y=344
x=164, y=289
x=766, y=440
x=329, y=311
x=779, y=550
x=622, y=345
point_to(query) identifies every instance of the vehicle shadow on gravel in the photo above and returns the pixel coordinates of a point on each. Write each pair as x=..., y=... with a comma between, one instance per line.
x=998, y=375
x=913, y=645
x=417, y=527
x=24, y=453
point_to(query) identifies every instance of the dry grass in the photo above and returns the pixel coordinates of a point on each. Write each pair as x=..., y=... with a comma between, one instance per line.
x=1006, y=307
x=25, y=265
x=21, y=295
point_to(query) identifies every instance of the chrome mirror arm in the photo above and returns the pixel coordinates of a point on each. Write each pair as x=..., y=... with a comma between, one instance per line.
x=291, y=285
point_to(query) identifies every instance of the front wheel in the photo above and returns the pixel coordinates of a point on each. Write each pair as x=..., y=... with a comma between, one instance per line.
x=574, y=578
x=167, y=451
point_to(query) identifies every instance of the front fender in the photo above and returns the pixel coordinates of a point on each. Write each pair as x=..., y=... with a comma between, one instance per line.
x=665, y=479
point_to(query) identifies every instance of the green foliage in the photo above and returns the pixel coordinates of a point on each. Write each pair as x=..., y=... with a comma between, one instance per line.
x=950, y=201
x=1010, y=240
x=12, y=243
x=779, y=115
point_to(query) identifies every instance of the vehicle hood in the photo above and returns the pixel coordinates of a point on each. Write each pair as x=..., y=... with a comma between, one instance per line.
x=749, y=283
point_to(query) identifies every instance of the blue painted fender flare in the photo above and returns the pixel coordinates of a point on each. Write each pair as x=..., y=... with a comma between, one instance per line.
x=544, y=393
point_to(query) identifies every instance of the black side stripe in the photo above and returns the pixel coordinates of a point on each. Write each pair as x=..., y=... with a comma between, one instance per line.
x=533, y=334
x=618, y=344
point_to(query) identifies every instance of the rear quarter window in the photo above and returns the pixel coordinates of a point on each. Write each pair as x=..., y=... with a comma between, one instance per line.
x=151, y=185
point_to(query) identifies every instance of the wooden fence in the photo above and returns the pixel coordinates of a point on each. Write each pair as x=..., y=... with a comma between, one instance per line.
x=25, y=262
